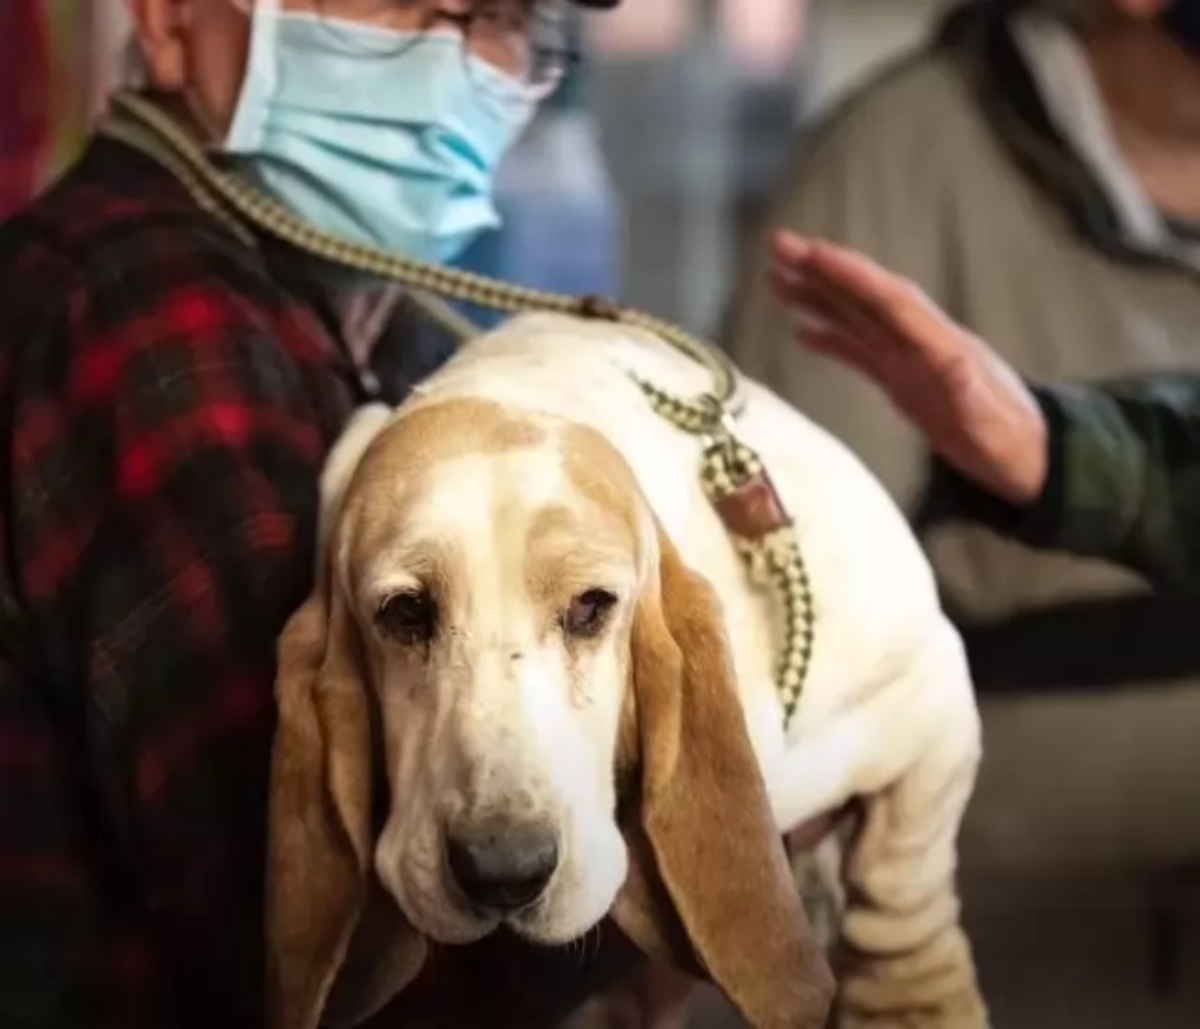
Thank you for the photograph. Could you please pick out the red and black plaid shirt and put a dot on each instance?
(165, 406)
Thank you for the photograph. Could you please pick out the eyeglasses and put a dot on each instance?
(526, 39)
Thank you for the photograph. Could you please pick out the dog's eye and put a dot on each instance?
(588, 613)
(408, 618)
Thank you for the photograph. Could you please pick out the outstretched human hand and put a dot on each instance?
(971, 406)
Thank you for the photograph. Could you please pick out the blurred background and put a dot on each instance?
(644, 179)
(732, 79)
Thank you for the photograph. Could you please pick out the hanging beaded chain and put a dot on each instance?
(739, 487)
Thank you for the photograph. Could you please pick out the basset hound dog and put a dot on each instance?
(534, 687)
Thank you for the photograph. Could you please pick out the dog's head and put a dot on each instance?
(501, 628)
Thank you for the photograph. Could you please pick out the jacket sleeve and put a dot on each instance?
(164, 519)
(1123, 481)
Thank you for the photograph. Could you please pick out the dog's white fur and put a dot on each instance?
(887, 714)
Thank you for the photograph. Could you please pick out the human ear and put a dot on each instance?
(159, 27)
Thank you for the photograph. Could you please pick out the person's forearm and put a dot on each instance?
(1123, 482)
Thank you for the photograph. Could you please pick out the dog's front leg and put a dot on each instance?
(905, 961)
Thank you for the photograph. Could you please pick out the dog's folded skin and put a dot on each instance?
(533, 647)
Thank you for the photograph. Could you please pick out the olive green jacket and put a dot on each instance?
(1123, 481)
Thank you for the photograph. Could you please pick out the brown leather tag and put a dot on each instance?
(754, 509)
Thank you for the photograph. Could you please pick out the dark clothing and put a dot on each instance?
(1123, 482)
(166, 408)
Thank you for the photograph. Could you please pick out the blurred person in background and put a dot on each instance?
(171, 380)
(1035, 170)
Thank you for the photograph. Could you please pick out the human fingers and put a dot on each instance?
(895, 304)
(789, 249)
(822, 330)
(849, 287)
(841, 312)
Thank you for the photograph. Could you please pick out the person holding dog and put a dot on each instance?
(171, 378)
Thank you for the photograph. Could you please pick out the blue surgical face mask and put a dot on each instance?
(383, 138)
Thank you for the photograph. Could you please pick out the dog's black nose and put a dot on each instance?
(502, 865)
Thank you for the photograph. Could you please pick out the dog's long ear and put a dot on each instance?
(704, 817)
(319, 875)
(320, 879)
